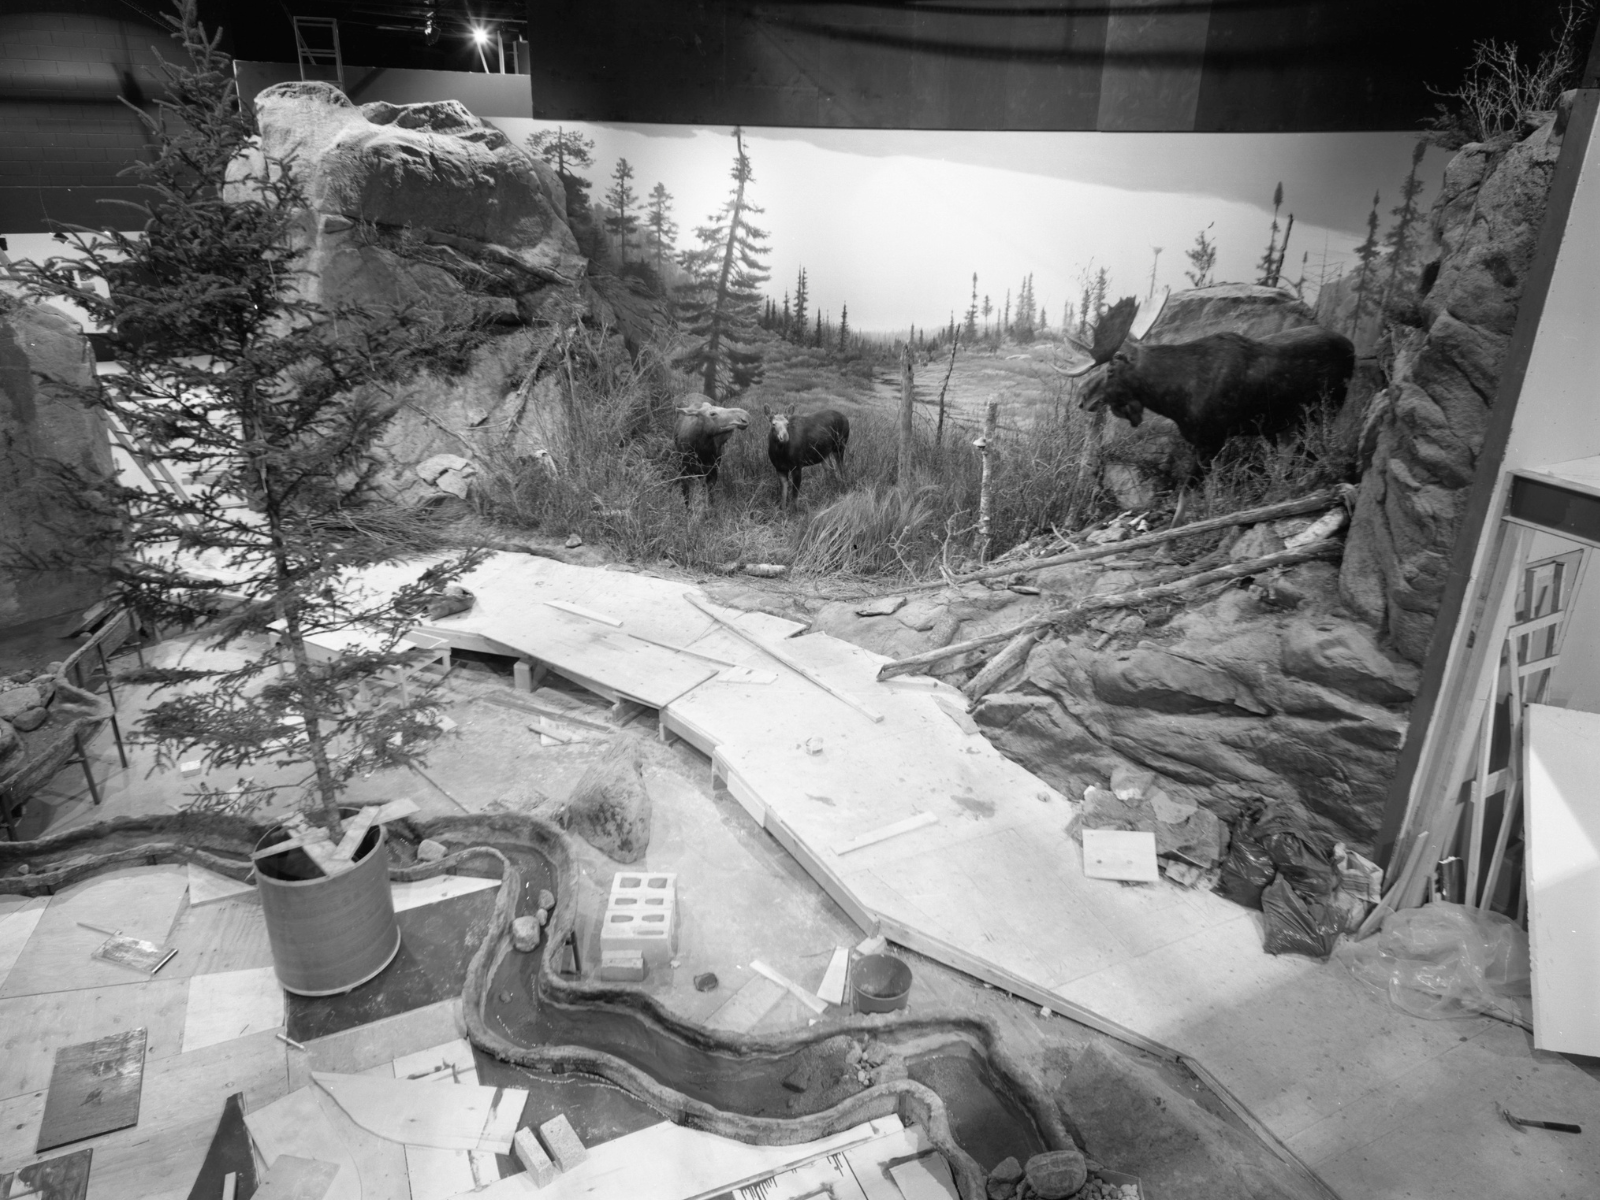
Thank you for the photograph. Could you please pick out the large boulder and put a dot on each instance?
(1230, 702)
(610, 808)
(1423, 433)
(406, 199)
(44, 424)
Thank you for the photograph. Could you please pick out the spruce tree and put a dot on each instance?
(844, 327)
(566, 150)
(1269, 258)
(972, 311)
(1368, 253)
(1398, 241)
(1202, 258)
(817, 338)
(987, 309)
(658, 220)
(801, 296)
(621, 199)
(229, 369)
(721, 303)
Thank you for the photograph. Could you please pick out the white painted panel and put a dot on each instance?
(1564, 877)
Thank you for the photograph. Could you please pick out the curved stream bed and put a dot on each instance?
(946, 1071)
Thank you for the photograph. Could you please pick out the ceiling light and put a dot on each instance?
(480, 35)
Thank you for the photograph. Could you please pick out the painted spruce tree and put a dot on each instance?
(720, 306)
(621, 199)
(802, 295)
(663, 234)
(231, 375)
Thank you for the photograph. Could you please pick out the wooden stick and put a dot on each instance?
(812, 1001)
(1145, 595)
(986, 487)
(887, 832)
(1001, 665)
(710, 658)
(794, 666)
(1250, 516)
(579, 611)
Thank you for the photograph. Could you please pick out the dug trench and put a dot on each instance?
(616, 1059)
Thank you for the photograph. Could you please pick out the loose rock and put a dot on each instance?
(1057, 1174)
(610, 808)
(1003, 1180)
(543, 917)
(547, 898)
(705, 983)
(525, 934)
(17, 700)
(429, 850)
(30, 719)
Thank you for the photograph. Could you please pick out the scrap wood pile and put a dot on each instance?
(330, 857)
(1316, 541)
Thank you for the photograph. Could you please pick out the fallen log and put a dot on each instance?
(1001, 665)
(1315, 502)
(1330, 548)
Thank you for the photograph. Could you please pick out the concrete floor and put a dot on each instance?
(741, 897)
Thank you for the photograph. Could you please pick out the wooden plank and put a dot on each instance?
(826, 877)
(787, 660)
(232, 1004)
(867, 1161)
(1563, 865)
(409, 1112)
(228, 1155)
(292, 1178)
(810, 1000)
(743, 1011)
(354, 830)
(207, 887)
(16, 927)
(230, 935)
(926, 1178)
(834, 978)
(1120, 854)
(919, 821)
(65, 1177)
(95, 1088)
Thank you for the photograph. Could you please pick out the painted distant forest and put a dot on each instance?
(848, 240)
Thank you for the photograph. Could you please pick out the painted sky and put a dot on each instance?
(894, 222)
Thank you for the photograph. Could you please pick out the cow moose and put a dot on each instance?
(1217, 386)
(797, 442)
(699, 436)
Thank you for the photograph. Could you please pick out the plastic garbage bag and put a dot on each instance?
(1298, 851)
(1297, 927)
(1447, 960)
(1245, 872)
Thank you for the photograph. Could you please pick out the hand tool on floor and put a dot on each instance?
(1522, 1123)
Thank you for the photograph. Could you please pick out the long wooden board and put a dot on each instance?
(1564, 878)
(411, 1111)
(95, 1088)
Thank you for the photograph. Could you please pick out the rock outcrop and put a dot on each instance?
(1424, 431)
(43, 356)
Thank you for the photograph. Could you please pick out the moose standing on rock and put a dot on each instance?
(797, 442)
(699, 436)
(1214, 387)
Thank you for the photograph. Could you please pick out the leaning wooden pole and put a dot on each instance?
(991, 422)
(938, 429)
(902, 474)
(1315, 502)
(1329, 548)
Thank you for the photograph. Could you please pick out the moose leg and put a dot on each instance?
(794, 484)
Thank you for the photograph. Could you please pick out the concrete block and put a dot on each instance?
(621, 966)
(522, 676)
(532, 1157)
(561, 1140)
(189, 769)
(649, 934)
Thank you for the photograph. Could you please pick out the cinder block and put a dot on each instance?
(190, 769)
(621, 966)
(561, 1140)
(646, 887)
(649, 934)
(532, 1156)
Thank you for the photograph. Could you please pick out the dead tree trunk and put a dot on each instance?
(938, 429)
(986, 489)
(902, 475)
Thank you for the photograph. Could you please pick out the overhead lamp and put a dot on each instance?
(480, 35)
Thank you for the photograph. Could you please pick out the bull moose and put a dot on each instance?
(797, 442)
(1217, 386)
(699, 436)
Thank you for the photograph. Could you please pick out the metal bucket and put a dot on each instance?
(328, 934)
(880, 983)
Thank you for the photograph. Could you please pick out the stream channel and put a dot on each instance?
(986, 1117)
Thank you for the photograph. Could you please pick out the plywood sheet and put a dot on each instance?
(291, 1178)
(16, 927)
(742, 1011)
(442, 1174)
(230, 935)
(669, 1162)
(232, 1004)
(925, 1178)
(867, 1160)
(65, 1177)
(306, 1124)
(378, 1042)
(450, 1062)
(412, 1112)
(141, 903)
(441, 887)
(1564, 878)
(31, 1027)
(207, 887)
(95, 1087)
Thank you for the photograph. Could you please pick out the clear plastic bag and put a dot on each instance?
(1447, 960)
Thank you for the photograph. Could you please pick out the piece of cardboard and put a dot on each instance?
(1124, 854)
